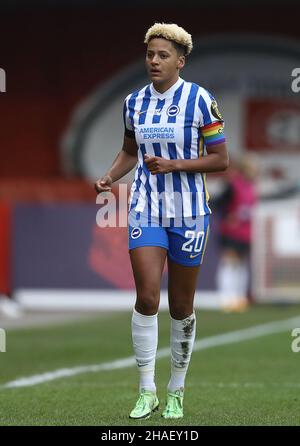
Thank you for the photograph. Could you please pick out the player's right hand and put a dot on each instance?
(104, 184)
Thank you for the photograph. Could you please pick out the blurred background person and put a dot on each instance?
(235, 204)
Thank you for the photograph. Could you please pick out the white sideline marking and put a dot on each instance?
(202, 344)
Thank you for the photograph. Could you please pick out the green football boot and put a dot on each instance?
(174, 406)
(145, 405)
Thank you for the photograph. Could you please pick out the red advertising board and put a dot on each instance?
(273, 125)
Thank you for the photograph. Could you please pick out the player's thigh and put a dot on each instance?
(187, 244)
(182, 280)
(147, 248)
(147, 266)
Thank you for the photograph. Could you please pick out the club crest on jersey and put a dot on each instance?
(215, 111)
(173, 110)
(136, 233)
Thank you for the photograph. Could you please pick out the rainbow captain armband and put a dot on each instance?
(213, 133)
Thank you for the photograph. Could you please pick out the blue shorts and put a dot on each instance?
(184, 239)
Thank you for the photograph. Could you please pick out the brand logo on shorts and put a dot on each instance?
(173, 110)
(136, 233)
(192, 256)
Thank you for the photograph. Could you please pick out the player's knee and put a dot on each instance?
(181, 310)
(147, 302)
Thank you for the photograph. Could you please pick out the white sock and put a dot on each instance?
(226, 277)
(242, 279)
(232, 281)
(182, 341)
(144, 338)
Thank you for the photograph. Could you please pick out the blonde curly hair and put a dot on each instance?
(173, 32)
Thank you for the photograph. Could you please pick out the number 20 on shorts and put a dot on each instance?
(194, 242)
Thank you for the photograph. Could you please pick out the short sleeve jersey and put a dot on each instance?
(177, 124)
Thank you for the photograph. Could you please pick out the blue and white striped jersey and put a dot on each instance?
(176, 124)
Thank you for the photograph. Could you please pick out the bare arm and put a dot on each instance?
(123, 163)
(216, 160)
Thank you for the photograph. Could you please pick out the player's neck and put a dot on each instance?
(162, 87)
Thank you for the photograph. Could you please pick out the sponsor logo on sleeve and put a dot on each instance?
(215, 111)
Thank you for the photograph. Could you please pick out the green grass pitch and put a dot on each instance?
(252, 382)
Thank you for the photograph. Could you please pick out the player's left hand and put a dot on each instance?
(156, 164)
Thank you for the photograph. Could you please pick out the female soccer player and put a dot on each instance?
(174, 133)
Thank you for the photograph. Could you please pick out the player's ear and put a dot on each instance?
(181, 62)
